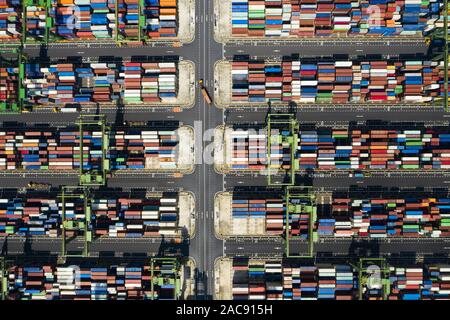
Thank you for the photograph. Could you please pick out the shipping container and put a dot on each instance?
(112, 215)
(276, 280)
(103, 83)
(363, 215)
(360, 81)
(331, 19)
(358, 148)
(133, 281)
(10, 20)
(59, 149)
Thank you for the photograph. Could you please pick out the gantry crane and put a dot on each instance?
(373, 271)
(79, 226)
(17, 62)
(94, 177)
(170, 274)
(3, 279)
(304, 202)
(46, 6)
(283, 129)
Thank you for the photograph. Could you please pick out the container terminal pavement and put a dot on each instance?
(330, 150)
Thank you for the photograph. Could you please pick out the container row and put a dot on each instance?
(114, 282)
(356, 216)
(59, 149)
(89, 20)
(318, 18)
(338, 82)
(356, 148)
(127, 82)
(272, 280)
(116, 215)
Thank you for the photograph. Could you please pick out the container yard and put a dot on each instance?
(8, 87)
(10, 20)
(158, 279)
(339, 214)
(112, 214)
(87, 85)
(344, 148)
(361, 81)
(58, 149)
(97, 22)
(326, 120)
(255, 279)
(247, 20)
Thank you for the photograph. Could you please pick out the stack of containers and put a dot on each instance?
(128, 18)
(29, 217)
(35, 22)
(305, 285)
(240, 82)
(280, 150)
(335, 282)
(274, 18)
(10, 20)
(438, 284)
(158, 81)
(133, 217)
(36, 150)
(257, 281)
(83, 20)
(294, 18)
(381, 218)
(299, 220)
(131, 75)
(57, 149)
(274, 281)
(142, 149)
(86, 283)
(249, 150)
(95, 19)
(74, 212)
(100, 82)
(339, 82)
(406, 283)
(326, 149)
(112, 217)
(161, 18)
(271, 209)
(240, 17)
(240, 279)
(8, 85)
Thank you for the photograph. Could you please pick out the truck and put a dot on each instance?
(205, 92)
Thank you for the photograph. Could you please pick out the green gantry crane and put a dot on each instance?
(83, 226)
(19, 63)
(3, 278)
(306, 205)
(90, 177)
(441, 34)
(282, 129)
(366, 278)
(46, 6)
(170, 274)
(122, 38)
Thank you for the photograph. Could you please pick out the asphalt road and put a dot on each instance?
(267, 248)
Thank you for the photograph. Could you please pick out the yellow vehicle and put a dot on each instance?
(204, 92)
